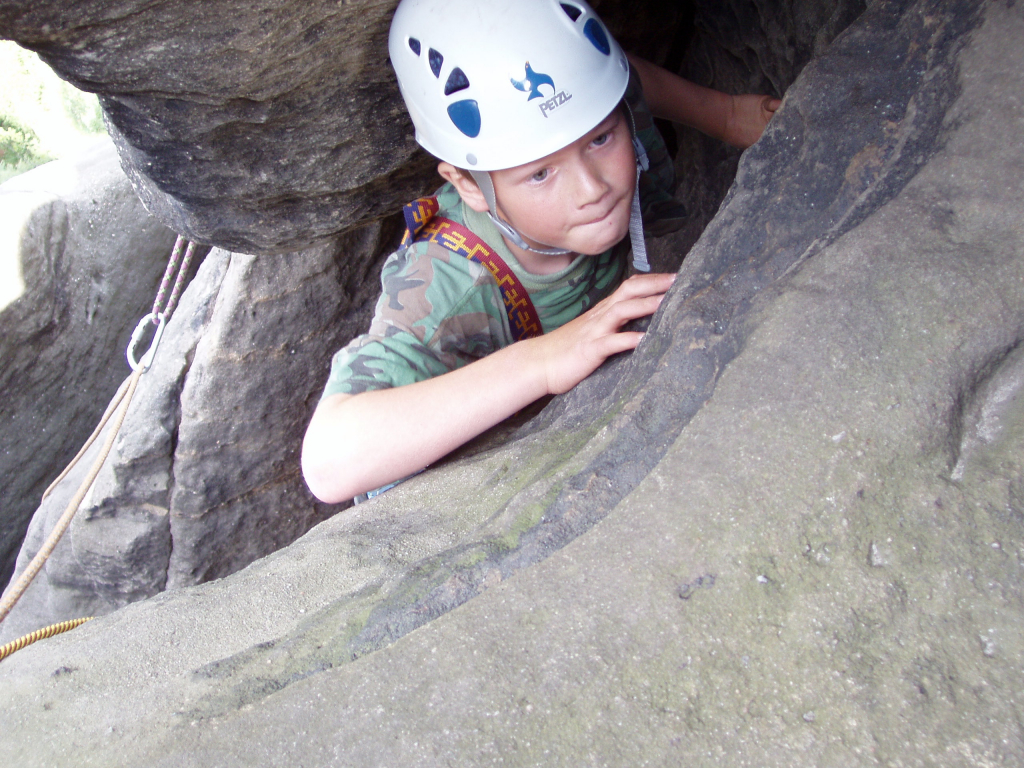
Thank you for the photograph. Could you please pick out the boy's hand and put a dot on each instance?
(358, 442)
(574, 351)
(747, 117)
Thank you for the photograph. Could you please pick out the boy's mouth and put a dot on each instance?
(604, 216)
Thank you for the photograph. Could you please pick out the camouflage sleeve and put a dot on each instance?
(437, 312)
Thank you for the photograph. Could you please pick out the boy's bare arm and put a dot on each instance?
(358, 442)
(736, 120)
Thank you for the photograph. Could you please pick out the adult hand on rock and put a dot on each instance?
(747, 117)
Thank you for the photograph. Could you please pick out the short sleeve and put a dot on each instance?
(437, 312)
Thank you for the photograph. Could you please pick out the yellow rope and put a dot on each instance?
(40, 634)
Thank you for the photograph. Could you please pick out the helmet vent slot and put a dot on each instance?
(572, 11)
(436, 60)
(595, 33)
(465, 115)
(531, 73)
(457, 81)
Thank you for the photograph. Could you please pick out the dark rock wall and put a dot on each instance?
(735, 47)
(204, 477)
(257, 127)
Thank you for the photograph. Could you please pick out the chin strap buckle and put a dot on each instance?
(641, 154)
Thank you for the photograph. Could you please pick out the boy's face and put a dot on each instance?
(579, 197)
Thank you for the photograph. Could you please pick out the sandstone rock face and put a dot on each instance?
(787, 529)
(204, 477)
(81, 262)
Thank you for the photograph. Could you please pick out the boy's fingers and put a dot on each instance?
(645, 285)
(608, 321)
(619, 342)
(630, 309)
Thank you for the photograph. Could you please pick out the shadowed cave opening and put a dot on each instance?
(737, 46)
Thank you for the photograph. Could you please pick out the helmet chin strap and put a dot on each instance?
(483, 180)
(636, 224)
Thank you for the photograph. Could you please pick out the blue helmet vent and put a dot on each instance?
(466, 116)
(571, 11)
(595, 33)
(436, 60)
(414, 45)
(457, 81)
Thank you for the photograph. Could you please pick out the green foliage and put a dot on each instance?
(17, 141)
(82, 109)
(19, 148)
(41, 116)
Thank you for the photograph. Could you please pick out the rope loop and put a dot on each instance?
(177, 269)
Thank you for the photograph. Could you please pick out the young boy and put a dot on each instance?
(523, 104)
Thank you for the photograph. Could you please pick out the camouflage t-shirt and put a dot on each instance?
(440, 311)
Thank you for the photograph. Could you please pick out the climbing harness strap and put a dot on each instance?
(177, 269)
(424, 225)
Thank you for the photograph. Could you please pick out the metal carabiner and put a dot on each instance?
(158, 321)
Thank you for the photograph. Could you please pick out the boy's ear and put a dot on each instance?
(464, 185)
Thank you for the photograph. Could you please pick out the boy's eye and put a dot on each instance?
(540, 175)
(602, 139)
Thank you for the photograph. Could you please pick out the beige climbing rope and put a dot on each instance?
(118, 396)
(177, 268)
(18, 589)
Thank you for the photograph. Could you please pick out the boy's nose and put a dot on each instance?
(591, 185)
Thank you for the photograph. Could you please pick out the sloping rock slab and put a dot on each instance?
(823, 563)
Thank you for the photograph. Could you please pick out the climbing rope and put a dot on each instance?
(177, 269)
(40, 634)
(18, 589)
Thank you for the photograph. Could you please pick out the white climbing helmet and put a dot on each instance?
(493, 84)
